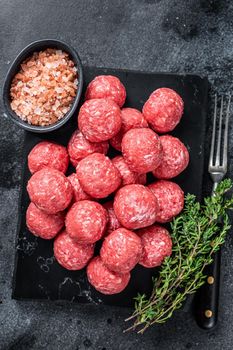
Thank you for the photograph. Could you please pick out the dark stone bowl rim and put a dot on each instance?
(14, 68)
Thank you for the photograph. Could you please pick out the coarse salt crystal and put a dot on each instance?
(57, 104)
(37, 110)
(64, 78)
(64, 110)
(59, 90)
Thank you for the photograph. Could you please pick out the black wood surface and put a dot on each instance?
(37, 275)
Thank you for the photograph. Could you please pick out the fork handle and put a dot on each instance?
(207, 297)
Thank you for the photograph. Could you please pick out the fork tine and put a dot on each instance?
(225, 143)
(217, 160)
(213, 133)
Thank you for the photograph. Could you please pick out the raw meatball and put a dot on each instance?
(128, 176)
(99, 119)
(42, 224)
(175, 158)
(104, 280)
(142, 150)
(79, 147)
(156, 243)
(50, 190)
(163, 110)
(131, 118)
(86, 221)
(121, 250)
(113, 222)
(79, 194)
(70, 254)
(135, 206)
(170, 198)
(98, 176)
(107, 86)
(48, 154)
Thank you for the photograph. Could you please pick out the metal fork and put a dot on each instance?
(207, 298)
(218, 167)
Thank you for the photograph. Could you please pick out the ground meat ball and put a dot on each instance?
(170, 198)
(128, 176)
(142, 150)
(163, 110)
(131, 118)
(106, 86)
(113, 222)
(79, 147)
(42, 224)
(156, 243)
(48, 154)
(50, 190)
(70, 254)
(98, 176)
(86, 221)
(175, 158)
(135, 206)
(121, 250)
(99, 120)
(104, 280)
(79, 194)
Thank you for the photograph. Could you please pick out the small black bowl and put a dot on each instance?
(26, 52)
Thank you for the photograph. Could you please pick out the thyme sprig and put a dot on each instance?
(196, 233)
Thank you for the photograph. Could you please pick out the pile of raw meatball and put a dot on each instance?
(67, 207)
